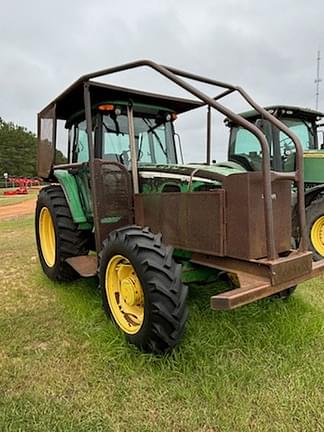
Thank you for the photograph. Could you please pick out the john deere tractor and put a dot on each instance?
(124, 208)
(245, 150)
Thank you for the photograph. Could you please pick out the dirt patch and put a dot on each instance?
(21, 209)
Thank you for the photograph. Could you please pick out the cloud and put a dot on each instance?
(269, 48)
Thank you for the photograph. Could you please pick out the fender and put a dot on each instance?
(311, 193)
(70, 189)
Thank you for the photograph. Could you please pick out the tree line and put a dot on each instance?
(18, 150)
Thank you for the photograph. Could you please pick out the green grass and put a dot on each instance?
(64, 366)
(15, 199)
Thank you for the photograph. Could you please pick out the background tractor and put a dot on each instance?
(123, 207)
(245, 150)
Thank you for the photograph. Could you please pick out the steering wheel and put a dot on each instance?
(244, 161)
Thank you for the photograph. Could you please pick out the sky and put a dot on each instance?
(267, 47)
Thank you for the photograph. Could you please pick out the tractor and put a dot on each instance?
(125, 208)
(305, 123)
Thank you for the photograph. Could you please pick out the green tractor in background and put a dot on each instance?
(244, 150)
(126, 209)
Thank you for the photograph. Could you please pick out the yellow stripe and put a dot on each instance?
(314, 155)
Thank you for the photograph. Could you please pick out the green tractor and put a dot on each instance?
(124, 208)
(245, 150)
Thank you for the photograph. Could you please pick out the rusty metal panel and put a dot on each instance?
(191, 220)
(299, 267)
(287, 268)
(46, 131)
(113, 196)
(85, 265)
(245, 221)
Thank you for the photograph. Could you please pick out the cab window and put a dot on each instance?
(153, 138)
(80, 147)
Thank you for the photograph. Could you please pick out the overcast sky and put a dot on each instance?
(267, 47)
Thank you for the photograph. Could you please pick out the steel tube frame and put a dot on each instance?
(174, 75)
(208, 147)
(88, 116)
(132, 141)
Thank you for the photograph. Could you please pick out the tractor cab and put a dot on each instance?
(154, 134)
(245, 150)
(114, 113)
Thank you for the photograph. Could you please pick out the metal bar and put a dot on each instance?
(299, 174)
(174, 75)
(200, 78)
(54, 135)
(281, 126)
(208, 147)
(87, 107)
(69, 146)
(132, 143)
(259, 289)
(223, 94)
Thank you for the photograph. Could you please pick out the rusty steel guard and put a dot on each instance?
(113, 197)
(190, 220)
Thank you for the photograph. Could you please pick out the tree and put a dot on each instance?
(18, 149)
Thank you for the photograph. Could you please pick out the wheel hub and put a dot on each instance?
(125, 294)
(130, 294)
(317, 235)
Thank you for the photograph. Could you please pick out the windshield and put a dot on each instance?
(302, 129)
(246, 150)
(154, 139)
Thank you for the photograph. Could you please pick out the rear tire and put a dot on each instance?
(60, 238)
(315, 228)
(142, 290)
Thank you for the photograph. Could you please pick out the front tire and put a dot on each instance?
(142, 290)
(57, 236)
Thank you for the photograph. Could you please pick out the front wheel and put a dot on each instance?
(142, 290)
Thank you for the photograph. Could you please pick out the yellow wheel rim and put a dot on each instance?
(125, 294)
(317, 235)
(47, 236)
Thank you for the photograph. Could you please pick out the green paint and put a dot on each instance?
(70, 188)
(194, 273)
(314, 166)
(82, 179)
(110, 219)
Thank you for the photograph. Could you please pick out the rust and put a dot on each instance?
(113, 200)
(85, 265)
(190, 220)
(245, 221)
(253, 289)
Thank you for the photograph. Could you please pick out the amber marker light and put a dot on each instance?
(106, 107)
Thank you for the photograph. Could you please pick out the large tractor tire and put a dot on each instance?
(57, 236)
(142, 289)
(315, 228)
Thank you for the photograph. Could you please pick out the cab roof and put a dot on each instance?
(286, 111)
(71, 100)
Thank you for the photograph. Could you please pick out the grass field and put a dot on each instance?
(64, 367)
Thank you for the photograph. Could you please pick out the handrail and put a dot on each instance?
(174, 75)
